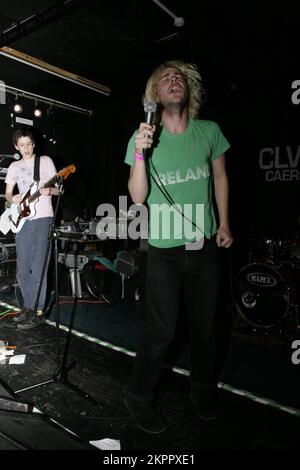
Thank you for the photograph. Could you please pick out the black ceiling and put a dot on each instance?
(118, 42)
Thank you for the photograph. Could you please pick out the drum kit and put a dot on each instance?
(266, 291)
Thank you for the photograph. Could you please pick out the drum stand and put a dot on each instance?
(61, 372)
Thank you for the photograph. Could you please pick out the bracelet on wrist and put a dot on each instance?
(138, 156)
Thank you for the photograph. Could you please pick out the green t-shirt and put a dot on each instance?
(180, 164)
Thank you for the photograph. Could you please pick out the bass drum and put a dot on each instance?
(102, 283)
(262, 295)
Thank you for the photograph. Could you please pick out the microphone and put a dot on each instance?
(150, 109)
(15, 156)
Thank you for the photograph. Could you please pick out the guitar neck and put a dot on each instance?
(37, 193)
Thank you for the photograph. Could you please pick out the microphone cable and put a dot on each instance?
(168, 197)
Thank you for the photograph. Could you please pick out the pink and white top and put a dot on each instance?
(21, 173)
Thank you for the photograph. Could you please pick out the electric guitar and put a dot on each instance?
(14, 217)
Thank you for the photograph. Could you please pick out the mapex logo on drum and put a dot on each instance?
(265, 280)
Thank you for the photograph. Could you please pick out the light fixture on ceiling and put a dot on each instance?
(45, 100)
(17, 107)
(37, 111)
(178, 20)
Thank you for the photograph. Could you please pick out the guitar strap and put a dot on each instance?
(36, 170)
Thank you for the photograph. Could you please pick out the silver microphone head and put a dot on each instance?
(150, 107)
(15, 156)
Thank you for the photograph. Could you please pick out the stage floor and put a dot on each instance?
(88, 399)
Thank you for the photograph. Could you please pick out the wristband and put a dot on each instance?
(138, 156)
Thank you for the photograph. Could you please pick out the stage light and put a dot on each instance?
(37, 112)
(18, 108)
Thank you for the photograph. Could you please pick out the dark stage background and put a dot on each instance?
(248, 56)
(248, 60)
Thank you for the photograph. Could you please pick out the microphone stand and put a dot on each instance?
(1, 160)
(60, 374)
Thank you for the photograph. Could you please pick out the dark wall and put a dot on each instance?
(260, 116)
(112, 127)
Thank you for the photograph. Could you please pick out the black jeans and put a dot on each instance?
(168, 271)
